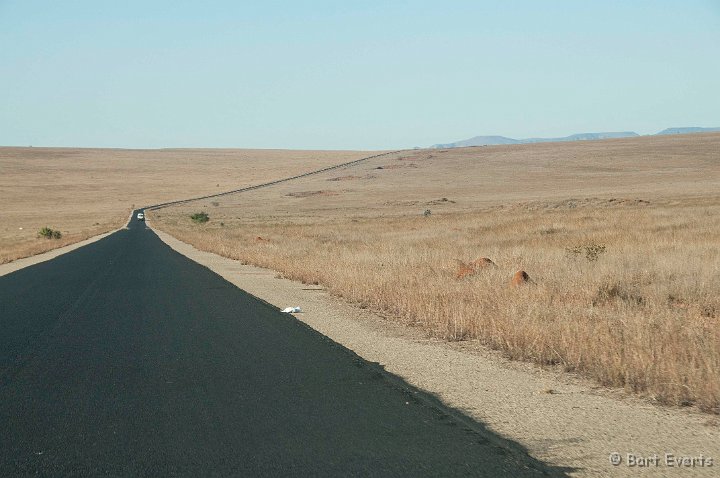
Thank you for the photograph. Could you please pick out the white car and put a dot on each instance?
(140, 216)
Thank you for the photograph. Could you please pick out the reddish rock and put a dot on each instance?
(483, 262)
(520, 278)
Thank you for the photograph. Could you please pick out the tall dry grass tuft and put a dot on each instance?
(627, 295)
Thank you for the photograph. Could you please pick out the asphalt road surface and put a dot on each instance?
(124, 358)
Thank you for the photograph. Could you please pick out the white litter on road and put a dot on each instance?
(292, 310)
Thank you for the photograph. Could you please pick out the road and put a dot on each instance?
(124, 358)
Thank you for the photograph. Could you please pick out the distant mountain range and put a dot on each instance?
(692, 129)
(495, 140)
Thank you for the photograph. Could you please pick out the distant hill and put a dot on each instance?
(583, 137)
(688, 130)
(495, 140)
(479, 141)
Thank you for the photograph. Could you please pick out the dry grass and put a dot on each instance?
(85, 192)
(624, 277)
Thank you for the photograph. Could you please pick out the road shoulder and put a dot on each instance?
(563, 420)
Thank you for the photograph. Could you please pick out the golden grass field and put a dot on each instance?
(619, 237)
(85, 192)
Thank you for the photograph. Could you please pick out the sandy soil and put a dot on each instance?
(560, 418)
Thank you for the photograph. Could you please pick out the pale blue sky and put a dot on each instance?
(350, 75)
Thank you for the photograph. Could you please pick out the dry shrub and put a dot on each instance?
(473, 267)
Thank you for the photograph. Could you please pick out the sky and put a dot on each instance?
(350, 75)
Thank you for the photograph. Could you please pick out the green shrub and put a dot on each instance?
(200, 217)
(48, 233)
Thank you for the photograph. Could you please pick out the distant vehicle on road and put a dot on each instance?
(140, 216)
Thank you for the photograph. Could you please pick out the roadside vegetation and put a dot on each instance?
(49, 233)
(200, 217)
(624, 292)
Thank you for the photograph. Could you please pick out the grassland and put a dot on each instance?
(619, 238)
(85, 192)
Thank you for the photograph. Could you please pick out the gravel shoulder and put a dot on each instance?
(561, 419)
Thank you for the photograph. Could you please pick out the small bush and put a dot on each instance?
(200, 217)
(611, 291)
(549, 230)
(591, 251)
(48, 233)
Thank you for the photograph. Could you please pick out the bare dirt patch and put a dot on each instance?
(307, 194)
(352, 178)
(439, 202)
(397, 166)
